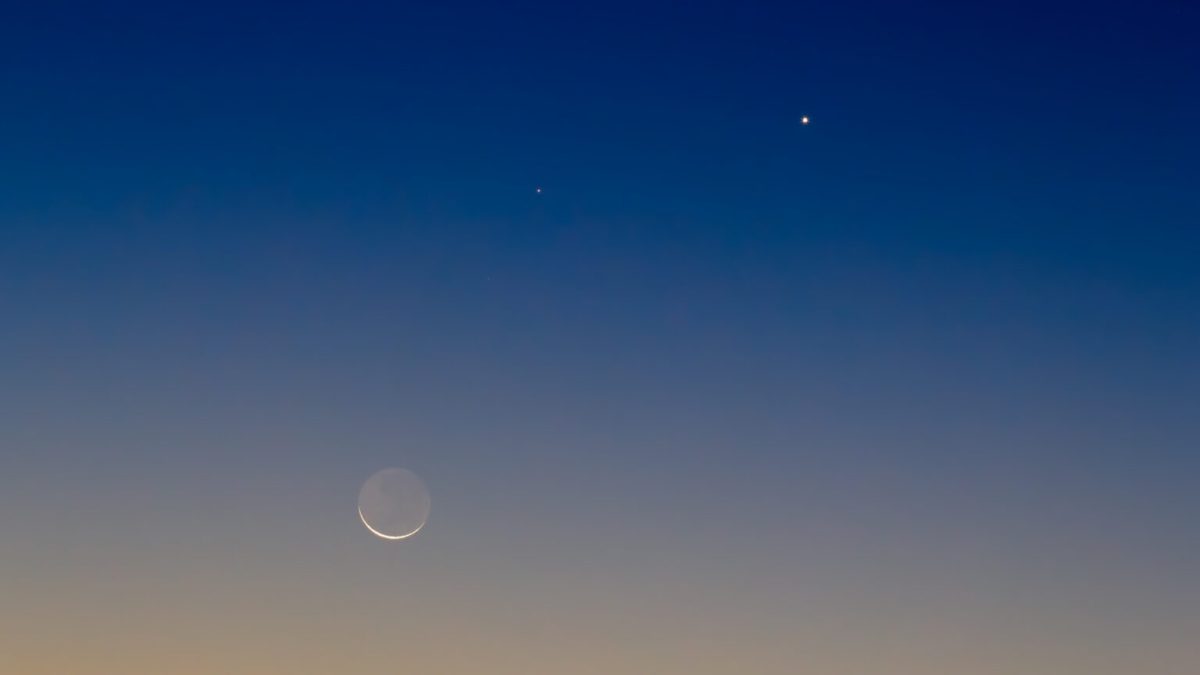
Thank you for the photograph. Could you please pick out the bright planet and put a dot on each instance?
(393, 503)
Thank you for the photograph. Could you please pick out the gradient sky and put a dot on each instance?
(911, 389)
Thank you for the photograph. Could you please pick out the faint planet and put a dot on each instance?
(539, 190)
(804, 120)
(393, 504)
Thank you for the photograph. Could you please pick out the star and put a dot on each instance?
(804, 120)
(539, 190)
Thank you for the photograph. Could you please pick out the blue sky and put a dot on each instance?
(931, 356)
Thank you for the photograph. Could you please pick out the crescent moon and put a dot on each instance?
(381, 535)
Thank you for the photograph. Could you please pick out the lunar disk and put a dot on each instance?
(393, 504)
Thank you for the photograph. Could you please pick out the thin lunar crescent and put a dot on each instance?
(393, 504)
(377, 533)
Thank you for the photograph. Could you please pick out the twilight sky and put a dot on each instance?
(911, 389)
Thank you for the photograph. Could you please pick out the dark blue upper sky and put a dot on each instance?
(1008, 172)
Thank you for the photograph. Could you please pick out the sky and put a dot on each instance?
(909, 389)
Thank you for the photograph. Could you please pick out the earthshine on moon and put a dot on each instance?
(393, 504)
